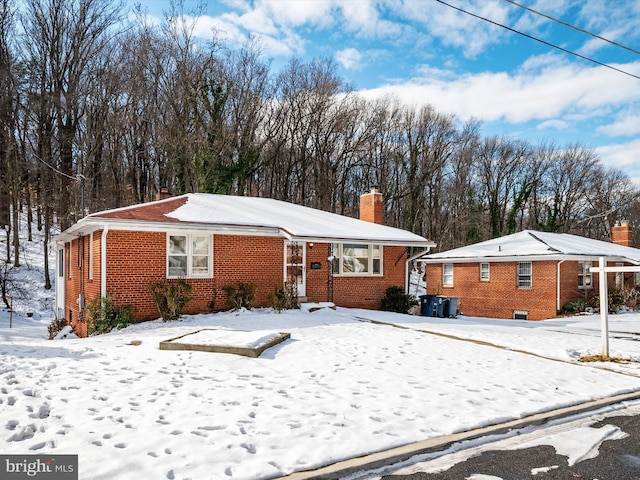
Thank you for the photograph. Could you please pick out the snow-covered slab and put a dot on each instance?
(238, 342)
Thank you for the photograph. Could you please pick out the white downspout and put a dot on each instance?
(407, 287)
(558, 306)
(103, 262)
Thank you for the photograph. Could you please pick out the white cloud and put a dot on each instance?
(554, 124)
(625, 125)
(349, 58)
(546, 94)
(623, 156)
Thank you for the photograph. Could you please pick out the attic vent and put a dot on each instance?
(520, 315)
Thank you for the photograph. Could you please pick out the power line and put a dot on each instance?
(574, 27)
(539, 40)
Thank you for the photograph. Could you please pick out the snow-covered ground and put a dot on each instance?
(342, 386)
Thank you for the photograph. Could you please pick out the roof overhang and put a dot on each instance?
(89, 225)
(530, 258)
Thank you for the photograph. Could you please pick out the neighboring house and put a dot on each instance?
(528, 275)
(213, 241)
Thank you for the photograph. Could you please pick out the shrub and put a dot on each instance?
(395, 300)
(102, 315)
(578, 306)
(284, 298)
(242, 296)
(170, 298)
(56, 327)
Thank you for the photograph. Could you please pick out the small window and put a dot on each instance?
(61, 263)
(520, 315)
(484, 272)
(585, 278)
(189, 256)
(447, 275)
(524, 275)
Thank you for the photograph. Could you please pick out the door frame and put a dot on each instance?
(302, 279)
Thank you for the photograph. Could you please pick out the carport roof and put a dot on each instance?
(534, 244)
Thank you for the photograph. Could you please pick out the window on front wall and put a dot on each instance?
(447, 275)
(189, 255)
(585, 278)
(484, 272)
(524, 275)
(357, 259)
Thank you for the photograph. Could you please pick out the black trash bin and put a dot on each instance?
(427, 305)
(452, 307)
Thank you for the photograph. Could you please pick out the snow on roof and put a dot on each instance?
(294, 221)
(533, 243)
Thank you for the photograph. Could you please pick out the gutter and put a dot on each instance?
(406, 266)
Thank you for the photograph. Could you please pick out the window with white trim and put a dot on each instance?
(585, 277)
(484, 272)
(447, 275)
(525, 274)
(357, 259)
(189, 256)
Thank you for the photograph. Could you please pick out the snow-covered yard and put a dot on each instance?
(340, 387)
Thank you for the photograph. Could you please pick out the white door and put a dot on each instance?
(294, 266)
(60, 304)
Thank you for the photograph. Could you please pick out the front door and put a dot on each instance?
(294, 266)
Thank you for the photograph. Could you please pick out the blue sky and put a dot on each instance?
(423, 51)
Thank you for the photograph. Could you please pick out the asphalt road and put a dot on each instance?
(617, 460)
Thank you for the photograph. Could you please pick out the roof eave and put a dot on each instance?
(532, 258)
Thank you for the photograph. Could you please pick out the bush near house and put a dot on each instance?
(396, 300)
(284, 298)
(102, 316)
(242, 296)
(170, 298)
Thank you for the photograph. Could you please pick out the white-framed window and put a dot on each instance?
(520, 315)
(585, 277)
(525, 274)
(447, 274)
(357, 259)
(484, 272)
(189, 255)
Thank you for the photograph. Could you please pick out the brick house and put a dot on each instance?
(216, 240)
(528, 275)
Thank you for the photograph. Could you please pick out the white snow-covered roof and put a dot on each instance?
(531, 243)
(247, 215)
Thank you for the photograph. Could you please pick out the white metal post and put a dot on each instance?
(604, 306)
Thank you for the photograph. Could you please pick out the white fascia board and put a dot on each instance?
(523, 258)
(145, 226)
(88, 225)
(375, 241)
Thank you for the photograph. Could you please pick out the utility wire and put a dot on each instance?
(574, 27)
(539, 40)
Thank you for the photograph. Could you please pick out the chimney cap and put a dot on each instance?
(375, 188)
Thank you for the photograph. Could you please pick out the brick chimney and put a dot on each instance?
(621, 233)
(163, 193)
(372, 206)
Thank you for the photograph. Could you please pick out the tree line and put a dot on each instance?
(100, 108)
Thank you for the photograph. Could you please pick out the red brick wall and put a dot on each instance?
(136, 259)
(499, 297)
